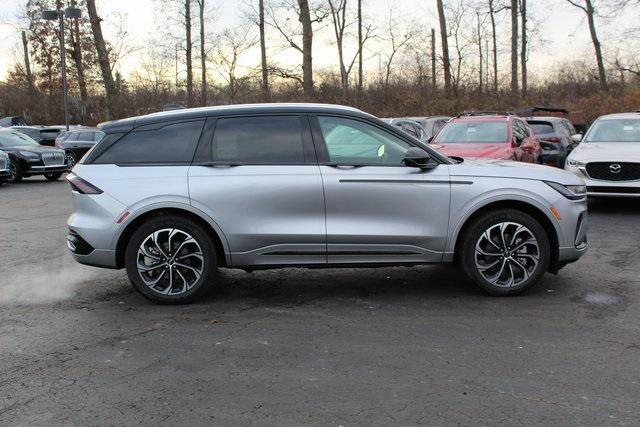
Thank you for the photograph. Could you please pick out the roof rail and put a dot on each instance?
(484, 113)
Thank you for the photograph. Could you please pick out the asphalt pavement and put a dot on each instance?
(385, 346)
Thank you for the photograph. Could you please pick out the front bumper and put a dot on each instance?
(4, 174)
(41, 170)
(602, 188)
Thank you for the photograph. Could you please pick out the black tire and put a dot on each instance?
(200, 287)
(15, 172)
(489, 221)
(52, 176)
(71, 160)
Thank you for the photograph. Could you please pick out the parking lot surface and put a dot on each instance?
(386, 346)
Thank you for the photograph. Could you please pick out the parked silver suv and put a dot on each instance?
(172, 196)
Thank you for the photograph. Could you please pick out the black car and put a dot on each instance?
(410, 127)
(43, 135)
(28, 158)
(4, 167)
(557, 138)
(76, 142)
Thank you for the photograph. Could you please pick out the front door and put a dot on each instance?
(378, 210)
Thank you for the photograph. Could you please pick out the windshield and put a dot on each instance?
(475, 131)
(13, 138)
(618, 130)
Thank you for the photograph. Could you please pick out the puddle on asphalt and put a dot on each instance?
(601, 298)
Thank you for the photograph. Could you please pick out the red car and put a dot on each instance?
(489, 135)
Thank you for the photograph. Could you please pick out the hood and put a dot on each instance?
(606, 152)
(511, 169)
(493, 150)
(39, 149)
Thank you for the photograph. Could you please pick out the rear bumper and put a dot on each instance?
(97, 258)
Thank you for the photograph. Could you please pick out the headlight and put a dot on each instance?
(574, 163)
(571, 192)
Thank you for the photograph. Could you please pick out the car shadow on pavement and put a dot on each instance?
(625, 206)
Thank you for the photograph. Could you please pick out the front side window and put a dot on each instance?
(255, 140)
(473, 131)
(351, 141)
(173, 143)
(614, 130)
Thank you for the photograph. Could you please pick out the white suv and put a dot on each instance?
(608, 158)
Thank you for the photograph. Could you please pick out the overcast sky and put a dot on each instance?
(563, 29)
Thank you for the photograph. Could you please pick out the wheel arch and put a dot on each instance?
(219, 239)
(522, 206)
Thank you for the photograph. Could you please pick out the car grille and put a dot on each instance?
(53, 159)
(620, 190)
(614, 171)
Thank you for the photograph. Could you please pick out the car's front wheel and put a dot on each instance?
(505, 251)
(171, 260)
(15, 172)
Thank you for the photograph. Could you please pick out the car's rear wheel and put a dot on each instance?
(171, 260)
(71, 160)
(505, 251)
(52, 176)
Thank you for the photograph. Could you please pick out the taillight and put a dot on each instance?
(81, 186)
(57, 144)
(553, 139)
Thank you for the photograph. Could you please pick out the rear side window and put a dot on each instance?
(272, 139)
(173, 143)
(85, 136)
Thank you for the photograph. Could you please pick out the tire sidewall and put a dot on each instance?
(198, 233)
(489, 219)
(17, 172)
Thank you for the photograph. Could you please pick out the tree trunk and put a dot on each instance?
(445, 48)
(514, 48)
(338, 16)
(596, 44)
(480, 54)
(263, 55)
(307, 43)
(76, 56)
(103, 55)
(492, 13)
(27, 65)
(187, 24)
(203, 56)
(433, 59)
(360, 47)
(523, 47)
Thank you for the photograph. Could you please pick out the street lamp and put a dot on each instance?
(52, 15)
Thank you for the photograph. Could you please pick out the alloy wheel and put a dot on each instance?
(71, 161)
(170, 261)
(507, 254)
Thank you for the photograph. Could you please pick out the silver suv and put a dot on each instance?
(172, 196)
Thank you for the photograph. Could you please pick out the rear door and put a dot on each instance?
(258, 178)
(377, 209)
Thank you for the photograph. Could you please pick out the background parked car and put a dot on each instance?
(489, 135)
(12, 121)
(43, 135)
(557, 137)
(76, 142)
(28, 158)
(409, 126)
(4, 167)
(609, 157)
(431, 124)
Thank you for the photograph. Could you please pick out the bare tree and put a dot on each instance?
(263, 53)
(588, 7)
(188, 54)
(27, 64)
(398, 41)
(445, 47)
(103, 54)
(231, 46)
(203, 55)
(360, 47)
(480, 55)
(433, 58)
(514, 48)
(523, 47)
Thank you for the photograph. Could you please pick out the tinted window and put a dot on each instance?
(98, 135)
(174, 143)
(541, 128)
(354, 142)
(272, 139)
(473, 131)
(85, 136)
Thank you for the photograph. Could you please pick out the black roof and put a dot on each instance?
(125, 125)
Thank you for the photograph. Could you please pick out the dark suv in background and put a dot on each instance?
(76, 142)
(43, 135)
(28, 158)
(557, 137)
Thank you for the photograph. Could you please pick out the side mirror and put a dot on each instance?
(431, 138)
(577, 137)
(416, 157)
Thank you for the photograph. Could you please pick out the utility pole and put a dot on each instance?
(433, 58)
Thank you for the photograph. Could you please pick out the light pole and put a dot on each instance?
(52, 15)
